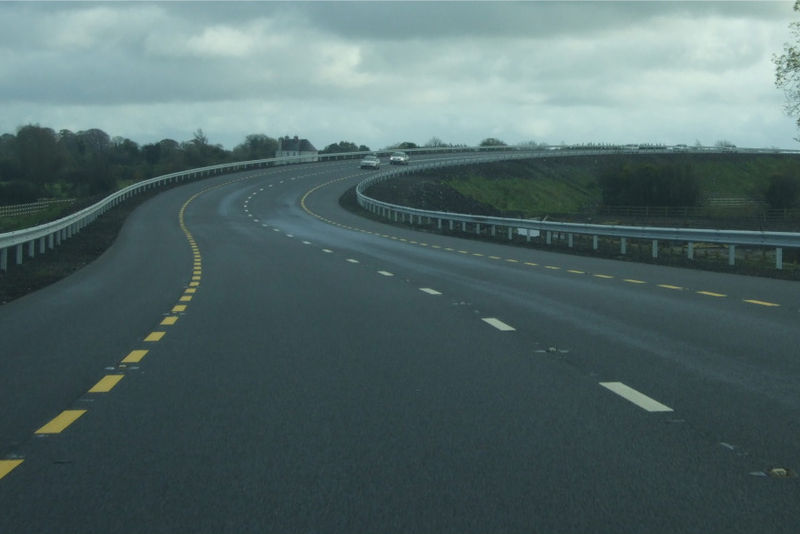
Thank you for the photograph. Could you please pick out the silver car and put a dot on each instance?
(399, 158)
(371, 162)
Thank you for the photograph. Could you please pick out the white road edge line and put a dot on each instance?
(429, 291)
(385, 273)
(639, 399)
(351, 260)
(497, 323)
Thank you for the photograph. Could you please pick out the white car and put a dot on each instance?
(399, 158)
(371, 162)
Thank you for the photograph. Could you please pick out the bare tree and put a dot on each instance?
(787, 70)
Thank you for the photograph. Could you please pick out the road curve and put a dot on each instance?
(250, 357)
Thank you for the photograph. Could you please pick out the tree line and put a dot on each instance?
(39, 162)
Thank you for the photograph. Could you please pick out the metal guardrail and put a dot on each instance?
(529, 227)
(49, 235)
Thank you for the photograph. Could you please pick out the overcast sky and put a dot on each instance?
(377, 73)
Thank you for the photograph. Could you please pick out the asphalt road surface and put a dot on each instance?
(250, 357)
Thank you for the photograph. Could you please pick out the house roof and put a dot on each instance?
(297, 145)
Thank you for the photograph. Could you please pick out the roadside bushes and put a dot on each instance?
(18, 192)
(649, 184)
(782, 191)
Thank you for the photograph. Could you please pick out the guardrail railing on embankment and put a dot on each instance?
(508, 227)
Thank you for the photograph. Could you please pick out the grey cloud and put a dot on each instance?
(461, 71)
(441, 20)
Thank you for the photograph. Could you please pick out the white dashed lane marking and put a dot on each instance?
(429, 291)
(639, 399)
(497, 323)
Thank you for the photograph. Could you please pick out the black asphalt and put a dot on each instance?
(311, 386)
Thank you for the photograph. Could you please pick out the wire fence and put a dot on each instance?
(33, 207)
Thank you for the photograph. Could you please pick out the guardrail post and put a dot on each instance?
(510, 233)
(569, 240)
(50, 244)
(690, 251)
(42, 248)
(594, 242)
(477, 229)
(464, 226)
(731, 254)
(32, 248)
(623, 245)
(3, 259)
(494, 231)
(655, 248)
(549, 239)
(19, 254)
(439, 224)
(779, 258)
(451, 224)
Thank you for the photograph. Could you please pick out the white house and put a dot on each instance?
(300, 150)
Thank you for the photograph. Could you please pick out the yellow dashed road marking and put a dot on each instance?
(106, 384)
(179, 308)
(155, 336)
(135, 356)
(575, 271)
(762, 303)
(185, 298)
(169, 321)
(632, 281)
(667, 286)
(61, 422)
(606, 276)
(711, 294)
(6, 466)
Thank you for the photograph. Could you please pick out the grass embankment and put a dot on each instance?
(569, 186)
(529, 188)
